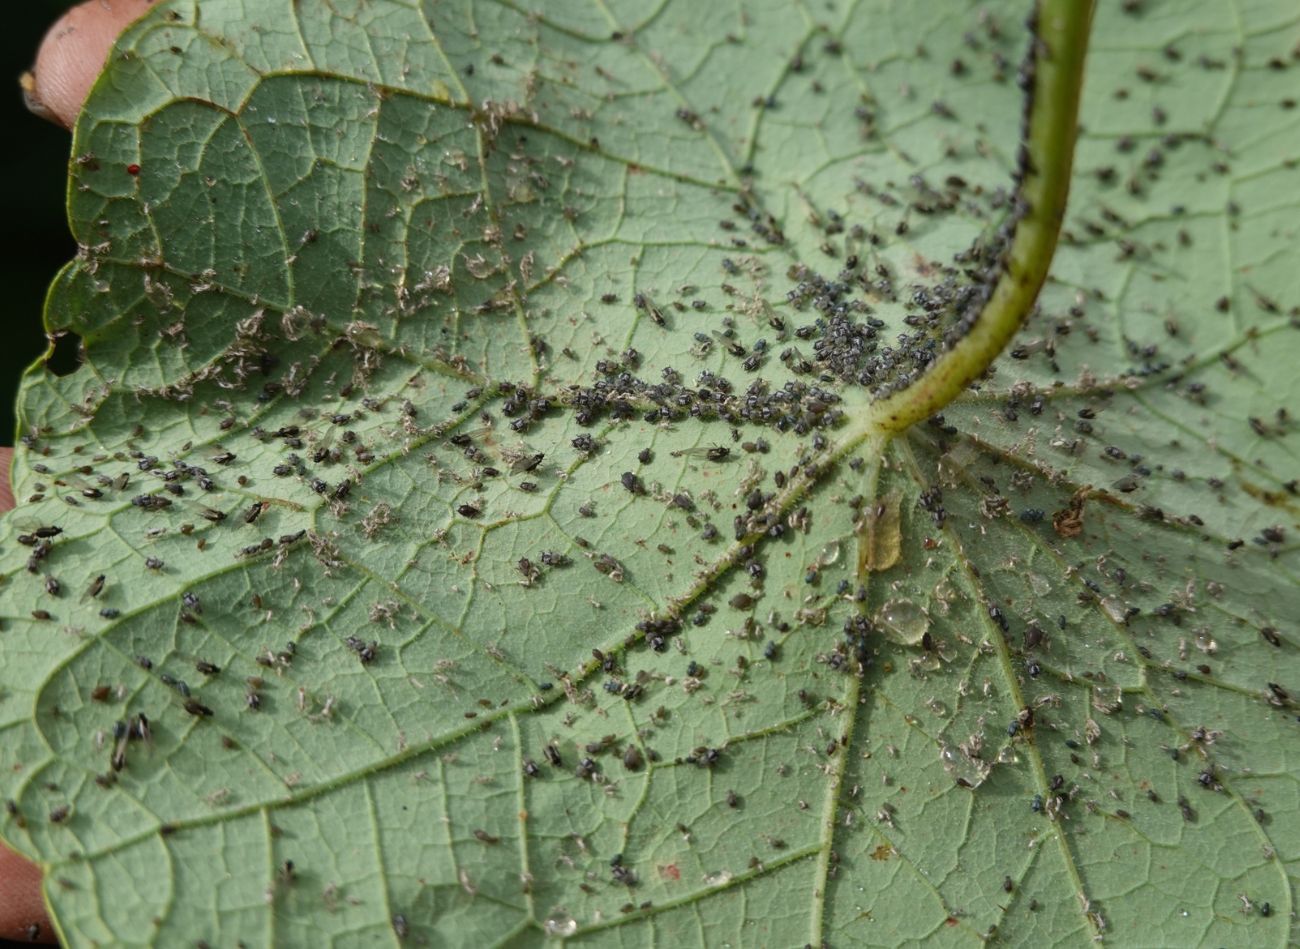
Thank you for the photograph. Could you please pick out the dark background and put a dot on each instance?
(33, 176)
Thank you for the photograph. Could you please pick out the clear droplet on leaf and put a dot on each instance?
(904, 620)
(829, 555)
(879, 536)
(967, 771)
(560, 923)
(925, 662)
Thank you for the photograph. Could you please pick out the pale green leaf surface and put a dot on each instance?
(384, 211)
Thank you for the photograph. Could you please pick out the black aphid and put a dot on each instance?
(366, 652)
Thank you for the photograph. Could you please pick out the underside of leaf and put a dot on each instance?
(500, 500)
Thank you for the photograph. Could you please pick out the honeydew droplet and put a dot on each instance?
(969, 772)
(904, 620)
(829, 555)
(560, 923)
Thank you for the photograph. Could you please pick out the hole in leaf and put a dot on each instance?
(67, 355)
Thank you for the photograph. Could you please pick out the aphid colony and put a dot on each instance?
(764, 449)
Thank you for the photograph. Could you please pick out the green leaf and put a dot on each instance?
(428, 337)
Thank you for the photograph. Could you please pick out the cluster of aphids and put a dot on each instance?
(849, 340)
(844, 345)
(848, 337)
(174, 498)
(620, 394)
(179, 491)
(588, 767)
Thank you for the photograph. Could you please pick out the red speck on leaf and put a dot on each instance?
(133, 169)
(670, 872)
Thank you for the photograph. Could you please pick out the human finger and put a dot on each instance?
(73, 53)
